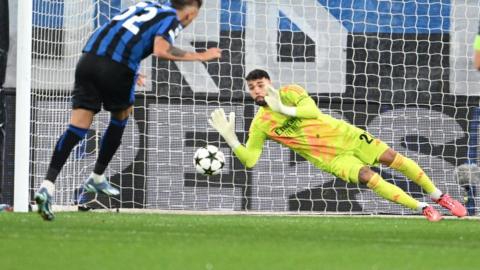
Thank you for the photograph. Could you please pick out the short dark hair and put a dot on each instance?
(257, 74)
(179, 4)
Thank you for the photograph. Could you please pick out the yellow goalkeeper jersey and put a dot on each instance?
(316, 136)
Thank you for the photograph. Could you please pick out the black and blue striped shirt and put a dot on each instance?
(128, 37)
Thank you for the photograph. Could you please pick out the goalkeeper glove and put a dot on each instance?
(275, 103)
(225, 127)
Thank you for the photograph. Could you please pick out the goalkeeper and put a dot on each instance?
(290, 117)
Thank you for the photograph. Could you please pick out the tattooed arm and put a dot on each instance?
(165, 50)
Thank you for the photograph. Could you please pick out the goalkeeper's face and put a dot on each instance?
(258, 90)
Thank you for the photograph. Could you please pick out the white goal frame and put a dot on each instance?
(23, 103)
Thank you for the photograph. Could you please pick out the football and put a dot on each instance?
(209, 160)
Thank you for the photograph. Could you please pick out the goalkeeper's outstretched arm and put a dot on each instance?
(248, 154)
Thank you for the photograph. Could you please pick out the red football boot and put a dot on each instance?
(454, 206)
(431, 214)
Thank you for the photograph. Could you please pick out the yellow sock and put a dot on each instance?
(391, 192)
(411, 170)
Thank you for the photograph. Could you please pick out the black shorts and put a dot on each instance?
(100, 80)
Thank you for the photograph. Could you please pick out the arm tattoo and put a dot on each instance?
(176, 51)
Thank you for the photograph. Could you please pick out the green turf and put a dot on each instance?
(157, 241)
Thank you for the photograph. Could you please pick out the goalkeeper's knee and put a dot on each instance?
(365, 174)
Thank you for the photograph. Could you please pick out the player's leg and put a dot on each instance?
(395, 194)
(85, 103)
(117, 84)
(81, 120)
(111, 140)
(354, 170)
(373, 151)
(410, 169)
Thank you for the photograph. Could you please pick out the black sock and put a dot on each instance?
(62, 150)
(110, 142)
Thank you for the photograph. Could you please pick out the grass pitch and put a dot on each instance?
(89, 241)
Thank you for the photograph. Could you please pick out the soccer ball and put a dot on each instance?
(208, 160)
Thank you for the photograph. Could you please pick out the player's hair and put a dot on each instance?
(257, 74)
(179, 4)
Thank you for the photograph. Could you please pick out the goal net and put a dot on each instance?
(401, 70)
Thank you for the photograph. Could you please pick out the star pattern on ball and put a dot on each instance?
(212, 156)
(197, 161)
(209, 171)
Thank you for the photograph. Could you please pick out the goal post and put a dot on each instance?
(22, 106)
(400, 70)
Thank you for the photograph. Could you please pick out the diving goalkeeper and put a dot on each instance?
(290, 117)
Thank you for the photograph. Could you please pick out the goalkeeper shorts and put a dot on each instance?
(101, 81)
(367, 152)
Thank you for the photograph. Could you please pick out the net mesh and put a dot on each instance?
(399, 69)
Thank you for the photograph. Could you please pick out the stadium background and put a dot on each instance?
(399, 69)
